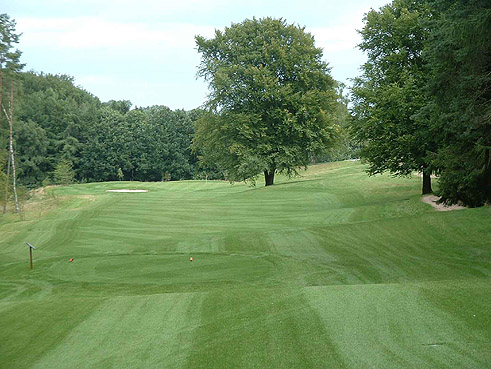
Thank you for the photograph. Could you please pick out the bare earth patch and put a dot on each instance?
(126, 191)
(38, 192)
(432, 200)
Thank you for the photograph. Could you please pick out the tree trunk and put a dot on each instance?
(5, 201)
(487, 173)
(1, 85)
(426, 182)
(269, 177)
(8, 160)
(14, 183)
(11, 145)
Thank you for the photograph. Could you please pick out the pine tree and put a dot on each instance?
(63, 173)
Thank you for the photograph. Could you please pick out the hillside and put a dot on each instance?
(333, 269)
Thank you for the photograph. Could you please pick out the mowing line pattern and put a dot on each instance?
(330, 270)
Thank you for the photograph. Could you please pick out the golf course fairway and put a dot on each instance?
(333, 269)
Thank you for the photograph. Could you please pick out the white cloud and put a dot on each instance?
(184, 94)
(118, 9)
(342, 36)
(337, 38)
(92, 32)
(94, 79)
(105, 43)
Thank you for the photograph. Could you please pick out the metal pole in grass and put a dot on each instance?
(30, 251)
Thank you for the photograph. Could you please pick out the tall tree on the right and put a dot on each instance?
(458, 54)
(390, 91)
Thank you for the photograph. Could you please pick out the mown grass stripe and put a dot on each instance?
(334, 269)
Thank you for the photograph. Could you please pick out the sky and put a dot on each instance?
(144, 50)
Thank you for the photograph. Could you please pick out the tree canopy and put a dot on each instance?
(423, 100)
(53, 120)
(60, 125)
(459, 98)
(390, 91)
(9, 55)
(271, 101)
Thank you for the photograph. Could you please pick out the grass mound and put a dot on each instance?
(333, 269)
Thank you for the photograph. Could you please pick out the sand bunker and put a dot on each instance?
(126, 190)
(432, 200)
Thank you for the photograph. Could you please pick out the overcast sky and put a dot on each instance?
(144, 50)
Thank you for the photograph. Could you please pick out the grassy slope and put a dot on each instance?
(335, 269)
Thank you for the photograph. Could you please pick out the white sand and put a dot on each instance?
(126, 191)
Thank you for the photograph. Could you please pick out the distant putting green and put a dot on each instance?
(331, 270)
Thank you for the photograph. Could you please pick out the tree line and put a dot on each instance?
(65, 134)
(420, 104)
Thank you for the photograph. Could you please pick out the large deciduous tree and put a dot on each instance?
(390, 91)
(271, 100)
(459, 99)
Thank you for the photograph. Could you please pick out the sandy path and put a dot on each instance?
(432, 200)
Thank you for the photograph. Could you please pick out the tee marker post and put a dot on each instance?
(30, 251)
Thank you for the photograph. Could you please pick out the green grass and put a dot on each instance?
(331, 270)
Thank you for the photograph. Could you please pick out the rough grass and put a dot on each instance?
(334, 269)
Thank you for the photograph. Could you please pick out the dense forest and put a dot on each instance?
(421, 104)
(65, 134)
